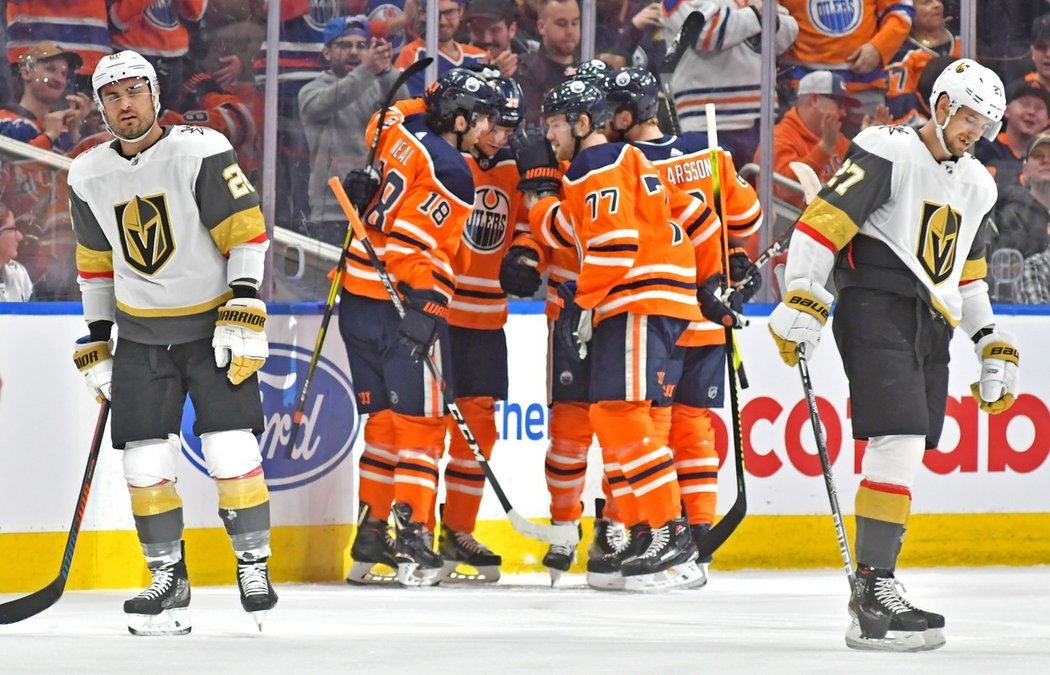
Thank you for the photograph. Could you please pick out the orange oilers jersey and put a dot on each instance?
(831, 30)
(628, 228)
(154, 28)
(498, 215)
(417, 49)
(417, 218)
(904, 73)
(79, 26)
(685, 162)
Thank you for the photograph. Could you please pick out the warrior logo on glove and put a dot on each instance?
(240, 338)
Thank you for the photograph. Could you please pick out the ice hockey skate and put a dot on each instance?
(257, 594)
(883, 620)
(163, 607)
(668, 562)
(699, 531)
(372, 554)
(417, 562)
(467, 560)
(559, 558)
(606, 551)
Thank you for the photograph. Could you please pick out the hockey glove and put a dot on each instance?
(361, 186)
(739, 265)
(518, 273)
(712, 306)
(425, 312)
(1000, 359)
(574, 326)
(96, 362)
(240, 338)
(537, 166)
(799, 318)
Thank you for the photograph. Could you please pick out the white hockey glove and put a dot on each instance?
(799, 319)
(240, 338)
(95, 360)
(1000, 358)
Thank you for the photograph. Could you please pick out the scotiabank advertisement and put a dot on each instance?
(983, 464)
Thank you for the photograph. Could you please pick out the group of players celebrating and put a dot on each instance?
(637, 242)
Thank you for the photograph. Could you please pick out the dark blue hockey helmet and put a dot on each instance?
(575, 97)
(511, 109)
(461, 92)
(632, 89)
(589, 71)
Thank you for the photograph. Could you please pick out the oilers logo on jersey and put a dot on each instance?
(938, 236)
(836, 17)
(487, 228)
(145, 233)
(163, 14)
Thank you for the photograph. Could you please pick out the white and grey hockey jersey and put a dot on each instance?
(161, 235)
(724, 65)
(892, 198)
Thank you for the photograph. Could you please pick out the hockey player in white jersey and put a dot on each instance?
(900, 224)
(170, 248)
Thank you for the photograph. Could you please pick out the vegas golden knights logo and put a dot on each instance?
(145, 233)
(938, 239)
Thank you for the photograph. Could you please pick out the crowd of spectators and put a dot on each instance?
(840, 67)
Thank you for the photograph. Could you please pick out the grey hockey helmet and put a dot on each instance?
(968, 83)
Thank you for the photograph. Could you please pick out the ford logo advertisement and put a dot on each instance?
(330, 422)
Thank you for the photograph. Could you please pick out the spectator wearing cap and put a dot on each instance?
(1027, 113)
(335, 108)
(44, 72)
(811, 131)
(15, 284)
(559, 29)
(493, 27)
(1022, 212)
(451, 54)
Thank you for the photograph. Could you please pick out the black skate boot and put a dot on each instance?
(699, 531)
(559, 557)
(417, 562)
(603, 556)
(163, 607)
(668, 562)
(257, 594)
(372, 553)
(883, 620)
(461, 551)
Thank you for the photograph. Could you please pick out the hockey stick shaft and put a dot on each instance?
(553, 534)
(337, 278)
(732, 518)
(825, 464)
(687, 37)
(34, 603)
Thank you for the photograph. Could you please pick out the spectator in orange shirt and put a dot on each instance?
(811, 132)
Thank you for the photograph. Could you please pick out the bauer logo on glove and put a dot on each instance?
(240, 338)
(1000, 359)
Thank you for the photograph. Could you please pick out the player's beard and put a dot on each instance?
(137, 129)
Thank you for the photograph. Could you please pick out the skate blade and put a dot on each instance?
(411, 575)
(555, 575)
(894, 641)
(605, 581)
(371, 574)
(683, 576)
(259, 617)
(454, 572)
(168, 622)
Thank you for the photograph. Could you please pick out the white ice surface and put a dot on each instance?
(742, 622)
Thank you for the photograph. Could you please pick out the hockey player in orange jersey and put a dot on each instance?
(635, 294)
(416, 217)
(684, 161)
(477, 313)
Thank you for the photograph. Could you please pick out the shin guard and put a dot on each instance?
(464, 477)
(244, 506)
(565, 466)
(420, 442)
(692, 442)
(377, 464)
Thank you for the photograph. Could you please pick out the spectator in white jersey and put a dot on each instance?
(15, 284)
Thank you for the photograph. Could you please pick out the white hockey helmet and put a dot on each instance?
(120, 66)
(968, 83)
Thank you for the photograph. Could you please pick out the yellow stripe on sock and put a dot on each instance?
(886, 506)
(155, 499)
(242, 493)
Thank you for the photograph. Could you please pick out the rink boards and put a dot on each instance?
(980, 498)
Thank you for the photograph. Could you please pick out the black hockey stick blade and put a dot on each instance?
(720, 531)
(406, 74)
(691, 27)
(36, 602)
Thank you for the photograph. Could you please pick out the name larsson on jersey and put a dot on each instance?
(683, 172)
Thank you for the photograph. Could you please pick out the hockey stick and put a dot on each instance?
(34, 603)
(565, 535)
(810, 187)
(687, 37)
(729, 521)
(825, 464)
(337, 278)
